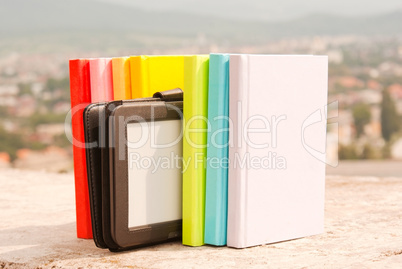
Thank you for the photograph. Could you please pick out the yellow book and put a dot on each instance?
(121, 78)
(150, 74)
(196, 70)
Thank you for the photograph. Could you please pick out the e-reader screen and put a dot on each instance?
(154, 151)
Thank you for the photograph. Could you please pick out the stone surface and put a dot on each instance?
(363, 229)
(378, 168)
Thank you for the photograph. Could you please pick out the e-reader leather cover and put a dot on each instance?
(92, 119)
(96, 124)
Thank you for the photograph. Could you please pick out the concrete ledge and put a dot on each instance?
(363, 229)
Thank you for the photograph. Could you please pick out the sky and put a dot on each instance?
(273, 10)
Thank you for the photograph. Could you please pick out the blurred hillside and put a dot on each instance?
(83, 23)
(38, 37)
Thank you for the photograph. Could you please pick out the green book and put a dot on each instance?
(195, 103)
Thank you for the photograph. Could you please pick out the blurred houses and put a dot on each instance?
(45, 133)
(4, 160)
(373, 128)
(332, 148)
(26, 106)
(396, 150)
(34, 91)
(8, 95)
(51, 159)
(396, 92)
(346, 129)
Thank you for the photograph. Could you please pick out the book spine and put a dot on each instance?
(80, 97)
(121, 78)
(165, 73)
(216, 178)
(139, 76)
(194, 148)
(237, 187)
(101, 80)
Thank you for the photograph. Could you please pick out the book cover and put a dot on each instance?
(276, 181)
(121, 78)
(217, 151)
(101, 80)
(194, 147)
(150, 74)
(80, 93)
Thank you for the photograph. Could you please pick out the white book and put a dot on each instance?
(276, 178)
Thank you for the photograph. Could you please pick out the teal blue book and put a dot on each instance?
(216, 193)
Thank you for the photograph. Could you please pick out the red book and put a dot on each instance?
(80, 90)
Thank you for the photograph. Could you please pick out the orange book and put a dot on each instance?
(121, 78)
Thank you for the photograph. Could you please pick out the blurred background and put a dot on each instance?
(362, 39)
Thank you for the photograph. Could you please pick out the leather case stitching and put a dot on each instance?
(92, 175)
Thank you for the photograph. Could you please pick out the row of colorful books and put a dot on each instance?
(256, 173)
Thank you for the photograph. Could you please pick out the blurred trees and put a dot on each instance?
(370, 152)
(362, 116)
(11, 143)
(24, 89)
(390, 120)
(347, 152)
(365, 151)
